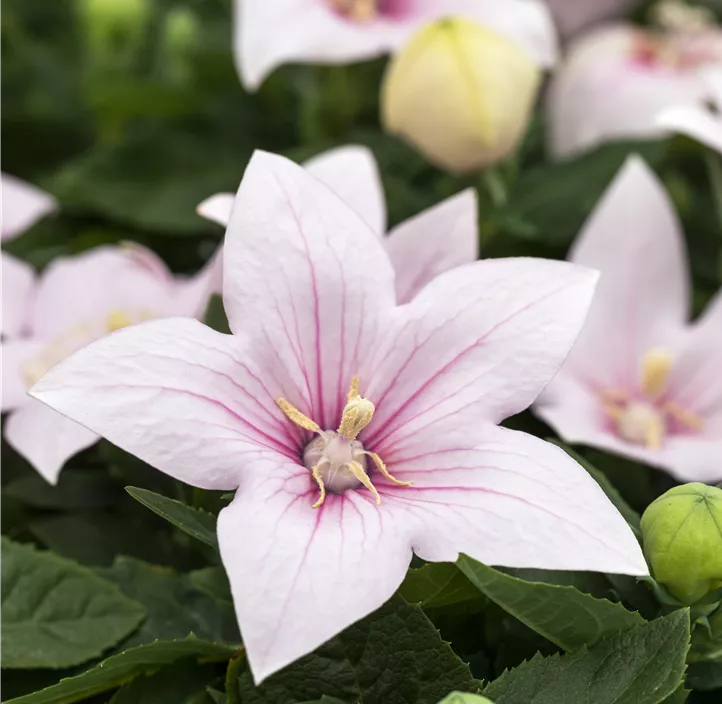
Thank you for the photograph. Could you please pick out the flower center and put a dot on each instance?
(647, 421)
(336, 459)
(64, 344)
(357, 10)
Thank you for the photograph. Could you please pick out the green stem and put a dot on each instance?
(235, 665)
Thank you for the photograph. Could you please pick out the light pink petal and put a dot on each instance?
(634, 239)
(306, 279)
(510, 499)
(45, 438)
(15, 353)
(22, 205)
(217, 208)
(86, 288)
(478, 343)
(695, 122)
(576, 413)
(696, 382)
(573, 16)
(274, 32)
(177, 394)
(528, 23)
(601, 93)
(18, 291)
(442, 237)
(352, 172)
(301, 575)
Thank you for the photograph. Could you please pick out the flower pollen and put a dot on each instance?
(336, 459)
(647, 420)
(357, 10)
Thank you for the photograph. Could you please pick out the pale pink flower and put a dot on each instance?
(616, 80)
(275, 32)
(76, 300)
(573, 16)
(354, 430)
(440, 238)
(698, 122)
(641, 380)
(22, 205)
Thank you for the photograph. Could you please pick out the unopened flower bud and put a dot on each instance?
(683, 542)
(460, 93)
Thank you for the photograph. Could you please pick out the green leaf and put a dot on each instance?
(393, 656)
(175, 608)
(215, 316)
(56, 613)
(436, 585)
(76, 488)
(705, 676)
(564, 615)
(644, 665)
(178, 683)
(195, 521)
(120, 669)
(630, 515)
(212, 581)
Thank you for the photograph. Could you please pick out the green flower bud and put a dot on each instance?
(114, 25)
(464, 698)
(682, 533)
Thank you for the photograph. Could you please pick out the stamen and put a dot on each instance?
(358, 471)
(614, 395)
(656, 366)
(316, 473)
(654, 432)
(382, 468)
(359, 10)
(614, 412)
(117, 320)
(692, 421)
(296, 416)
(357, 413)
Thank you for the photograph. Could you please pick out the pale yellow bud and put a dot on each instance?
(460, 93)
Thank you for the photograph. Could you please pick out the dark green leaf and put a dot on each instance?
(175, 608)
(564, 615)
(212, 581)
(394, 656)
(178, 683)
(56, 613)
(77, 488)
(630, 515)
(436, 585)
(643, 665)
(195, 521)
(120, 669)
(216, 315)
(705, 676)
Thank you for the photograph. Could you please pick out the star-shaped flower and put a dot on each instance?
(440, 238)
(355, 431)
(641, 380)
(74, 301)
(275, 32)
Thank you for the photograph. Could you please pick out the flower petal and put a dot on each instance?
(84, 289)
(307, 573)
(177, 394)
(306, 279)
(268, 34)
(510, 499)
(352, 172)
(22, 205)
(15, 353)
(478, 343)
(217, 208)
(634, 239)
(18, 291)
(45, 438)
(696, 122)
(440, 238)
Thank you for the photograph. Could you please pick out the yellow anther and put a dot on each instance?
(357, 413)
(692, 421)
(614, 395)
(359, 10)
(360, 473)
(654, 433)
(656, 366)
(382, 468)
(296, 416)
(614, 412)
(116, 320)
(316, 473)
